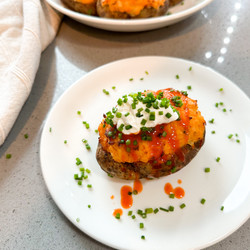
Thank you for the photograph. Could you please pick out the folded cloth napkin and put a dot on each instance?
(26, 29)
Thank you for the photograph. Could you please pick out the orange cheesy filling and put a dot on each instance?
(132, 7)
(86, 1)
(165, 139)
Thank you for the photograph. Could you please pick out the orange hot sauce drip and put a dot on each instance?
(178, 191)
(137, 186)
(118, 211)
(126, 196)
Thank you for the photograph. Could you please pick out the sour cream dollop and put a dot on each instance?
(131, 119)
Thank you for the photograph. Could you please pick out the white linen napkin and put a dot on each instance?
(26, 29)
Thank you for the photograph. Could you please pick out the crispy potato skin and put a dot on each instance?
(89, 9)
(162, 154)
(104, 11)
(174, 2)
(138, 170)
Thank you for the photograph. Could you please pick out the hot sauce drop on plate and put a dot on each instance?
(178, 191)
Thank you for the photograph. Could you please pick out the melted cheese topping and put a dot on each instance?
(130, 6)
(188, 130)
(86, 1)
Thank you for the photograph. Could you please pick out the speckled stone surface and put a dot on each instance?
(217, 36)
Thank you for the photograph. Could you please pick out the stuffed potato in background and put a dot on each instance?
(153, 151)
(83, 6)
(121, 9)
(126, 9)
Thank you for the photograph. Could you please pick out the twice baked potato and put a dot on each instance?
(152, 151)
(83, 6)
(126, 9)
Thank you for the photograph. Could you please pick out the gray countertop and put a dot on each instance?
(217, 36)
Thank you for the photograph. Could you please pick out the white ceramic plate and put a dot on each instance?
(196, 225)
(178, 13)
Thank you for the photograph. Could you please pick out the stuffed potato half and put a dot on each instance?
(128, 9)
(153, 151)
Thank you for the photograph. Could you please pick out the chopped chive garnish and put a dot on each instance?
(131, 79)
(171, 208)
(135, 192)
(65, 141)
(96, 130)
(50, 129)
(160, 112)
(216, 104)
(88, 171)
(78, 161)
(133, 216)
(207, 170)
(230, 136)
(89, 186)
(211, 121)
(118, 216)
(152, 116)
(143, 122)
(171, 196)
(128, 149)
(8, 156)
(141, 225)
(130, 213)
(146, 72)
(218, 159)
(113, 87)
(164, 133)
(163, 209)
(143, 237)
(168, 115)
(189, 87)
(168, 163)
(184, 93)
(221, 89)
(224, 110)
(141, 78)
(105, 92)
(190, 68)
(149, 210)
(238, 141)
(156, 210)
(79, 182)
(127, 114)
(222, 208)
(118, 114)
(135, 143)
(127, 127)
(139, 211)
(177, 77)
(119, 102)
(120, 128)
(182, 205)
(79, 112)
(89, 206)
(213, 132)
(86, 124)
(173, 170)
(77, 219)
(203, 201)
(26, 136)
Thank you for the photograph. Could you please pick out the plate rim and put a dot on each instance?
(102, 241)
(130, 23)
